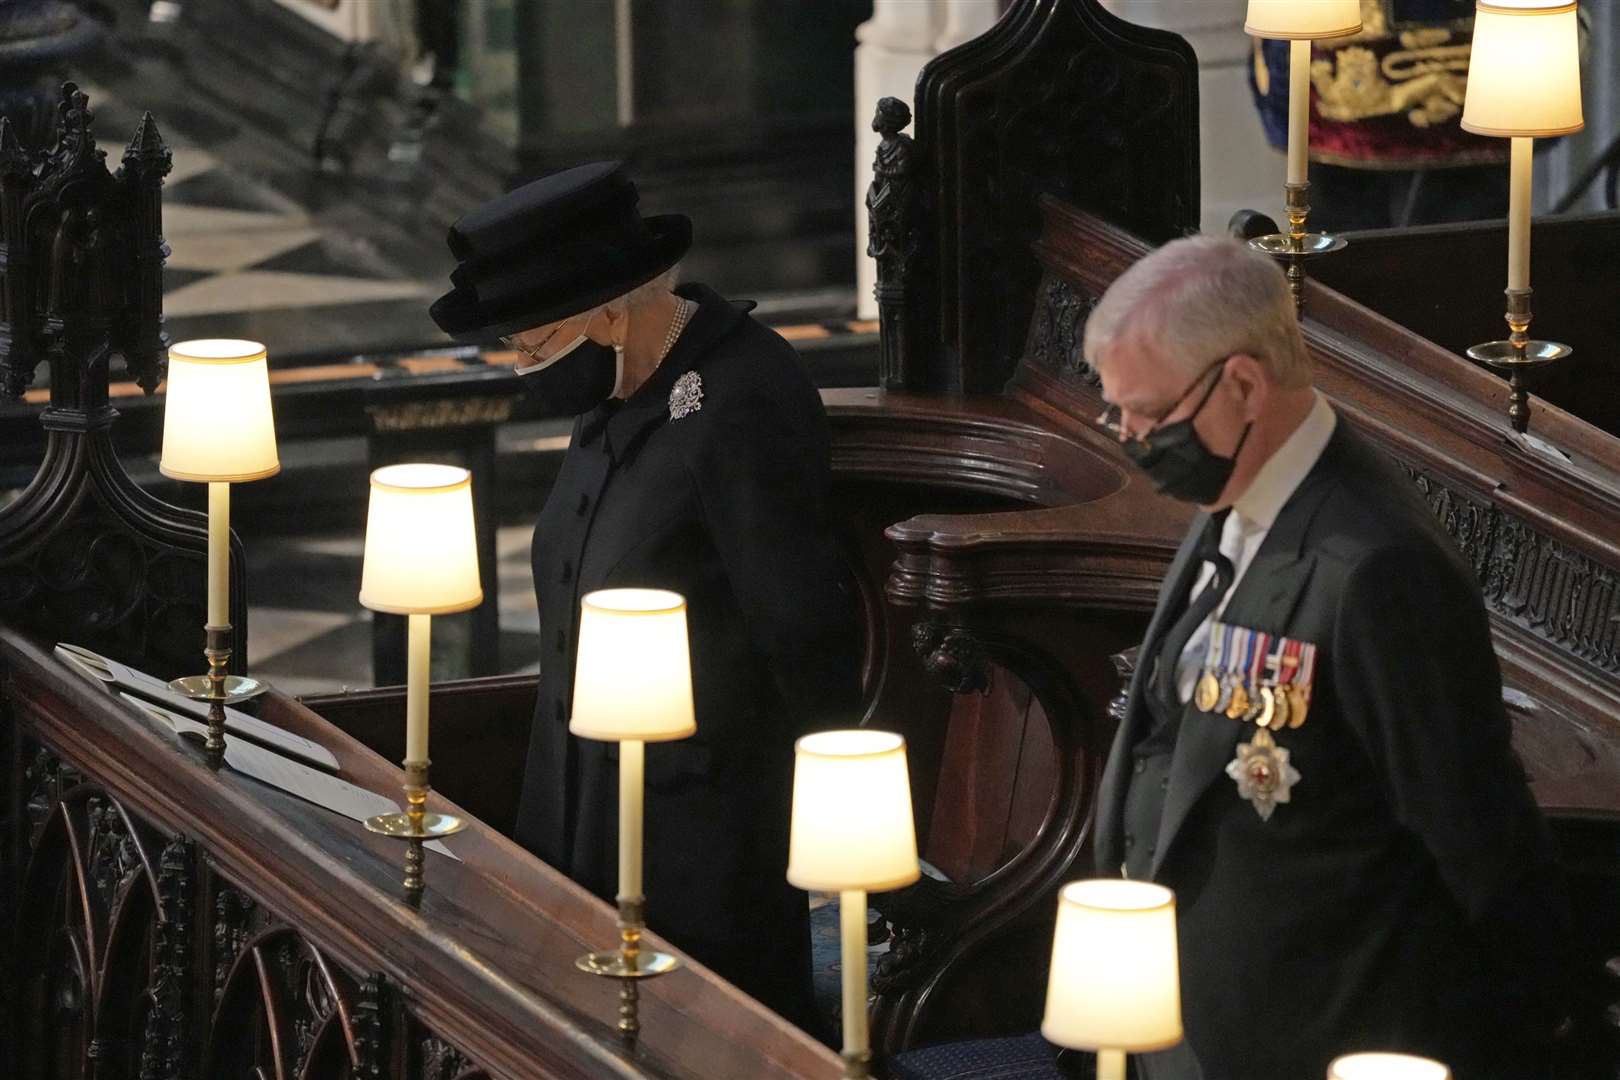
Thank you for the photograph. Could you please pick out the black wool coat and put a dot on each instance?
(1406, 897)
(727, 506)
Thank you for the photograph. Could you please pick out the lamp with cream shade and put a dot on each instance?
(218, 429)
(1524, 83)
(632, 686)
(1386, 1067)
(421, 560)
(852, 832)
(1115, 982)
(1299, 22)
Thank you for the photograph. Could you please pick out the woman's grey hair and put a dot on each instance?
(1198, 299)
(644, 292)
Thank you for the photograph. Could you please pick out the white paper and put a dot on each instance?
(237, 722)
(295, 778)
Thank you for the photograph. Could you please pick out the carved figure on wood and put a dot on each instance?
(891, 204)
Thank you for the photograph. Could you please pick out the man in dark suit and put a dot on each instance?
(1315, 757)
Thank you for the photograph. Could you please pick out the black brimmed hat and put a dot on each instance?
(553, 248)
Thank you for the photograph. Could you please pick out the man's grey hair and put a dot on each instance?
(1196, 300)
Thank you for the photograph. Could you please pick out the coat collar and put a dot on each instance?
(629, 424)
(1266, 599)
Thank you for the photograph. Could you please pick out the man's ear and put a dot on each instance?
(1250, 382)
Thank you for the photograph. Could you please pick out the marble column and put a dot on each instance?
(1240, 170)
(893, 45)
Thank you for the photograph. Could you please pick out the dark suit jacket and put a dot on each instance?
(725, 505)
(1405, 899)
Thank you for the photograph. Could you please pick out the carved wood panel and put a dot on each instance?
(137, 961)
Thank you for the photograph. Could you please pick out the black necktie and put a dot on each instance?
(1208, 550)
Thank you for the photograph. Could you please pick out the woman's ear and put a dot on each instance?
(617, 318)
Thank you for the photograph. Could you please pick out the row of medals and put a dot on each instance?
(1273, 707)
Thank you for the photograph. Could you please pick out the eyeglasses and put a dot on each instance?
(532, 353)
(1110, 419)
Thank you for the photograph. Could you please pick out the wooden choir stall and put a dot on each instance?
(167, 918)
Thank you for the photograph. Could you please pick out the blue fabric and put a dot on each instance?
(1025, 1057)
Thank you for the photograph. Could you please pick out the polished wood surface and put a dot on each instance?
(484, 965)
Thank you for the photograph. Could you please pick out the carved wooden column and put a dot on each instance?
(85, 555)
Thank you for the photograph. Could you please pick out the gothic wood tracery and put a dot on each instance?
(86, 555)
(1059, 98)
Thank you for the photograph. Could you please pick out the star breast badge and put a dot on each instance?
(1264, 776)
(687, 395)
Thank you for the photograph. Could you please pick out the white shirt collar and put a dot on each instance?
(1287, 468)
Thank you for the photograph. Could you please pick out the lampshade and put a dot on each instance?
(633, 676)
(421, 547)
(217, 425)
(1386, 1067)
(1115, 982)
(1303, 19)
(852, 826)
(1524, 74)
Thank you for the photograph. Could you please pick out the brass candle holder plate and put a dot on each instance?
(1282, 244)
(234, 688)
(399, 826)
(1505, 355)
(617, 965)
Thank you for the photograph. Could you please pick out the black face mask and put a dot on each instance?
(577, 383)
(1176, 459)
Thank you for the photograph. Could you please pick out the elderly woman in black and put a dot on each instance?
(699, 463)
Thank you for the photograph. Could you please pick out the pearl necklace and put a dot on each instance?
(683, 313)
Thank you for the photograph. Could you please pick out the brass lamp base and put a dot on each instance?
(1297, 245)
(415, 826)
(630, 965)
(1518, 357)
(216, 687)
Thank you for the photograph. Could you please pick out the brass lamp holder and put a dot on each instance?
(629, 963)
(415, 826)
(216, 687)
(1518, 357)
(1297, 245)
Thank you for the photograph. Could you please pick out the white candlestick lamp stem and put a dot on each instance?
(852, 914)
(418, 678)
(1299, 109)
(1519, 214)
(632, 766)
(1110, 1065)
(219, 554)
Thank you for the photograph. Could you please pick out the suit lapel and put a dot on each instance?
(1111, 793)
(1265, 599)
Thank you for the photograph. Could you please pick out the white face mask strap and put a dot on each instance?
(618, 371)
(530, 369)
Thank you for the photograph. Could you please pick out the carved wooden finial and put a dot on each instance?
(147, 153)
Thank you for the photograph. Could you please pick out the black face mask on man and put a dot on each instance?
(1177, 460)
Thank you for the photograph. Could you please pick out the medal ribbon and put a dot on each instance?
(1307, 666)
(1259, 645)
(1217, 648)
(1285, 670)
